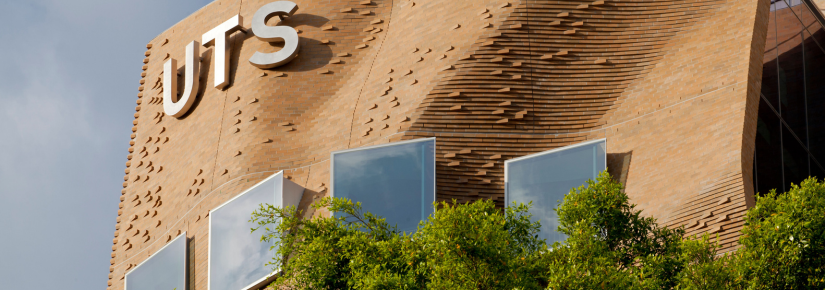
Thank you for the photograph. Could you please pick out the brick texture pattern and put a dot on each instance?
(671, 85)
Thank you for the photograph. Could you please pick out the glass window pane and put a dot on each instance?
(768, 151)
(791, 70)
(815, 85)
(237, 257)
(396, 181)
(794, 158)
(813, 26)
(807, 18)
(782, 4)
(546, 177)
(166, 269)
(817, 171)
(770, 81)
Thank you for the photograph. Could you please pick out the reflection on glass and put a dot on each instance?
(789, 137)
(395, 181)
(782, 4)
(792, 71)
(545, 178)
(166, 269)
(815, 91)
(237, 257)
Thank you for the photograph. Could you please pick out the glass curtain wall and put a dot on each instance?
(791, 128)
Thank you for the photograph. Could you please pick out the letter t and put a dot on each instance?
(218, 36)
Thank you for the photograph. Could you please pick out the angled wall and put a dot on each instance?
(672, 85)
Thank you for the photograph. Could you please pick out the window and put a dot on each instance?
(395, 181)
(768, 165)
(166, 269)
(791, 72)
(544, 178)
(237, 257)
(789, 129)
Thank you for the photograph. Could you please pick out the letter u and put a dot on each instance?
(174, 105)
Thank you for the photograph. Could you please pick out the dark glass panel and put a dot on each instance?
(755, 174)
(794, 159)
(816, 171)
(791, 70)
(768, 157)
(815, 86)
(813, 26)
(770, 84)
(807, 18)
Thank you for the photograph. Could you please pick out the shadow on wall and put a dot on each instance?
(206, 67)
(618, 165)
(190, 260)
(310, 196)
(317, 55)
(321, 55)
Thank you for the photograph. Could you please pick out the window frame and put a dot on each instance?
(420, 140)
(185, 264)
(285, 203)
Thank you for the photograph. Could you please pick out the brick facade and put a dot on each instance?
(672, 85)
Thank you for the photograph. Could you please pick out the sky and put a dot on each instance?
(69, 76)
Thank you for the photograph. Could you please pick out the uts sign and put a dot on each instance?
(177, 105)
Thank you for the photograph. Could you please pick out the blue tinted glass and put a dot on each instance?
(166, 269)
(545, 179)
(396, 182)
(237, 257)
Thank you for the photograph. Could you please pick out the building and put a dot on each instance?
(694, 105)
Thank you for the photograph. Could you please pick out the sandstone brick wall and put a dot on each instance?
(819, 4)
(672, 85)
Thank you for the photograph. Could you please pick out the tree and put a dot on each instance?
(783, 241)
(473, 246)
(609, 245)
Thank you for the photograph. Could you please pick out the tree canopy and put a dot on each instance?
(610, 245)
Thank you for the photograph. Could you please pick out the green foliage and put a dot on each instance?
(474, 246)
(703, 268)
(784, 240)
(609, 245)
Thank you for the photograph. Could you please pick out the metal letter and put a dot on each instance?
(273, 33)
(172, 104)
(219, 36)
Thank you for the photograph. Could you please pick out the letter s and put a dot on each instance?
(273, 33)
